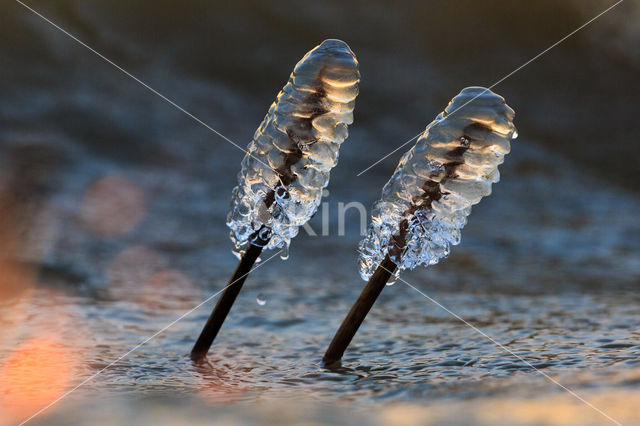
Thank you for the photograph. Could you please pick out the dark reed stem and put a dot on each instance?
(359, 311)
(225, 302)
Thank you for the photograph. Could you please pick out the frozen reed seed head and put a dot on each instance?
(451, 167)
(288, 161)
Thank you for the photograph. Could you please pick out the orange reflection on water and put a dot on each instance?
(35, 374)
(112, 206)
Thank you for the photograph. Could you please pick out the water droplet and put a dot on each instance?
(464, 141)
(392, 280)
(261, 300)
(284, 253)
(514, 135)
(325, 192)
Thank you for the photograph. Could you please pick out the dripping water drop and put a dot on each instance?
(392, 280)
(261, 300)
(284, 253)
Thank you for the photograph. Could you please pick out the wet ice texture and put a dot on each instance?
(451, 167)
(289, 159)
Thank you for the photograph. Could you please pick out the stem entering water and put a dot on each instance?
(220, 312)
(359, 311)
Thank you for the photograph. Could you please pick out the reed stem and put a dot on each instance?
(220, 312)
(359, 311)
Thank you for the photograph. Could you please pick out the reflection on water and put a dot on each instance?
(35, 373)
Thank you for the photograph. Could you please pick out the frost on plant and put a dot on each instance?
(451, 167)
(289, 159)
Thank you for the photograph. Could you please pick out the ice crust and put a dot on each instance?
(451, 167)
(288, 161)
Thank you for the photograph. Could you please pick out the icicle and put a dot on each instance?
(299, 140)
(451, 167)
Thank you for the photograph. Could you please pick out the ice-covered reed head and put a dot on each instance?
(451, 167)
(288, 161)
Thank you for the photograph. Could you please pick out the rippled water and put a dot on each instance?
(409, 350)
(113, 209)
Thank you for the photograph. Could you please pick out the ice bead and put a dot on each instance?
(294, 148)
(451, 167)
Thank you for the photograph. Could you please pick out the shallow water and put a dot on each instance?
(113, 226)
(409, 350)
(573, 317)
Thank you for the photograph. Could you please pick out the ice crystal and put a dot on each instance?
(288, 161)
(451, 167)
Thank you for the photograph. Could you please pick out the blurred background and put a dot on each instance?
(113, 206)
